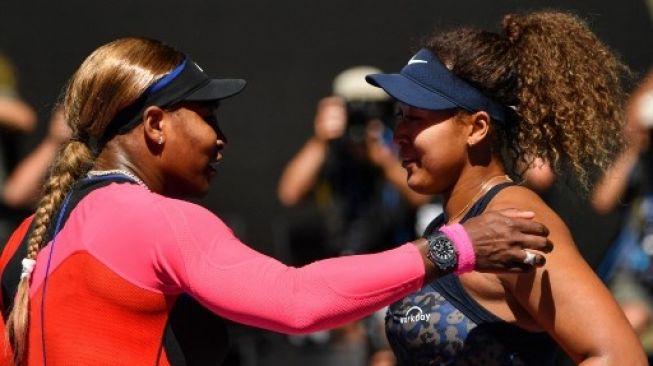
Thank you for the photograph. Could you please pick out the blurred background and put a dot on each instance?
(289, 52)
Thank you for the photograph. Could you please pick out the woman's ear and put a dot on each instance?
(153, 124)
(480, 127)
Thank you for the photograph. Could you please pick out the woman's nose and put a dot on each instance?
(221, 137)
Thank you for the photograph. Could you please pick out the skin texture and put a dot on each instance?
(542, 300)
(194, 144)
(182, 164)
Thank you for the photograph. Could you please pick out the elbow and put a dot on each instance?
(631, 354)
(601, 206)
(302, 323)
(301, 312)
(298, 329)
(621, 359)
(287, 197)
(15, 198)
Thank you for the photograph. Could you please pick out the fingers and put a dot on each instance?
(499, 241)
(526, 232)
(531, 258)
(516, 213)
(513, 261)
(330, 119)
(537, 242)
(374, 130)
(526, 260)
(529, 227)
(531, 235)
(332, 100)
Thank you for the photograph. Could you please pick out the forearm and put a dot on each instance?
(24, 184)
(16, 115)
(263, 292)
(611, 187)
(301, 173)
(248, 287)
(205, 259)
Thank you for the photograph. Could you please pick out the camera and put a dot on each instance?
(360, 113)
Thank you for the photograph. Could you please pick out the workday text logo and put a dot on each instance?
(414, 315)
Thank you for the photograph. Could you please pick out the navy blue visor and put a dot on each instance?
(187, 82)
(427, 84)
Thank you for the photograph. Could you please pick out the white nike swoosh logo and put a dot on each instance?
(413, 61)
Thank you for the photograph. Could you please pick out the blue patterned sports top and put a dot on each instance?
(443, 325)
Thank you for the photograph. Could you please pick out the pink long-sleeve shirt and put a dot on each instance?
(125, 254)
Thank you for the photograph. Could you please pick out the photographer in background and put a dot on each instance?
(346, 180)
(346, 193)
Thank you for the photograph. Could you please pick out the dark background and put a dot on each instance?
(288, 51)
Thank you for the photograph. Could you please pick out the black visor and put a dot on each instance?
(185, 83)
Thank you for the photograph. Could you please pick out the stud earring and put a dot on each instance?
(160, 141)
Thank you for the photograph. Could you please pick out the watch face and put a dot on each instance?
(442, 252)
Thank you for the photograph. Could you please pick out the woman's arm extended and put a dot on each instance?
(205, 259)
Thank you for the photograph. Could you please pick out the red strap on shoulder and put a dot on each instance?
(6, 356)
(12, 245)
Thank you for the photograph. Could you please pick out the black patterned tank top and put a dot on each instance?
(443, 325)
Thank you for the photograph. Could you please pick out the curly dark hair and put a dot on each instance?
(564, 84)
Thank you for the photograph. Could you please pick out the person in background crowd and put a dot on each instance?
(345, 189)
(628, 185)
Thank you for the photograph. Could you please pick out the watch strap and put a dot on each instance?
(463, 245)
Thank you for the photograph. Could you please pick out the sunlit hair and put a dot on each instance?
(564, 84)
(110, 79)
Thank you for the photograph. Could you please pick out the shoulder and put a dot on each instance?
(525, 199)
(565, 251)
(132, 203)
(516, 196)
(564, 288)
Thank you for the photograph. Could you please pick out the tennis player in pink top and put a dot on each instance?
(93, 278)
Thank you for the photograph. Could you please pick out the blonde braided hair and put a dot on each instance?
(110, 79)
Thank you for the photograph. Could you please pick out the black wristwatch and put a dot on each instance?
(441, 251)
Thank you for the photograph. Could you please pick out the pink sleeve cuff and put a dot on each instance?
(464, 247)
